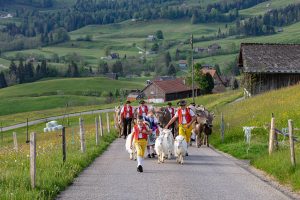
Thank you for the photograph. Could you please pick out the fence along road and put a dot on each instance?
(206, 175)
(38, 121)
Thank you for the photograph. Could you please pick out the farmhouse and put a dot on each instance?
(269, 66)
(219, 83)
(160, 91)
(182, 64)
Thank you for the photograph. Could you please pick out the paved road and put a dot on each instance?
(38, 121)
(206, 174)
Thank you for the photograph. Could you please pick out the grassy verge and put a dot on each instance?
(53, 175)
(256, 112)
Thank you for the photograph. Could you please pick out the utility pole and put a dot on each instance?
(193, 86)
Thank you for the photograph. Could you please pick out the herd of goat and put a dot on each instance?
(166, 143)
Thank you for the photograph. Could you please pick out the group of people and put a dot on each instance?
(146, 129)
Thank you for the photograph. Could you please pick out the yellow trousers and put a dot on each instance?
(140, 146)
(185, 132)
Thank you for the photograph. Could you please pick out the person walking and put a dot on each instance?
(185, 117)
(140, 136)
(142, 109)
(172, 113)
(126, 116)
(153, 123)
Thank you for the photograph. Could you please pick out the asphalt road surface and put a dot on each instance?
(206, 174)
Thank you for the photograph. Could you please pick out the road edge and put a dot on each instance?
(262, 175)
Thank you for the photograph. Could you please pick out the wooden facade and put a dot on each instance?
(168, 90)
(269, 66)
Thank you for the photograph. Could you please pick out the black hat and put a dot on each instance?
(142, 101)
(128, 102)
(169, 104)
(181, 103)
(140, 117)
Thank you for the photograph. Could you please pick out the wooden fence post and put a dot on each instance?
(82, 139)
(272, 135)
(32, 158)
(15, 141)
(101, 125)
(222, 127)
(64, 149)
(108, 122)
(291, 137)
(97, 130)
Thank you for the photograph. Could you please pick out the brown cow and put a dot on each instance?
(203, 127)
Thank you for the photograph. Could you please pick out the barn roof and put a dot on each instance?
(270, 58)
(171, 86)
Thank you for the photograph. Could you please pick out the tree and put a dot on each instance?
(103, 68)
(117, 67)
(3, 83)
(234, 83)
(155, 47)
(159, 35)
(172, 70)
(205, 82)
(168, 58)
(107, 51)
(72, 70)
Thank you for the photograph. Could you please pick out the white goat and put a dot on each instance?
(132, 152)
(180, 148)
(159, 148)
(168, 142)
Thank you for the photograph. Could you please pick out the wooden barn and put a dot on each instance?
(167, 90)
(269, 66)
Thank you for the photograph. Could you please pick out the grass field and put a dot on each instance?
(257, 112)
(4, 64)
(265, 6)
(50, 94)
(52, 175)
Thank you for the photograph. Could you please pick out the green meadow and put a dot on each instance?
(256, 112)
(262, 8)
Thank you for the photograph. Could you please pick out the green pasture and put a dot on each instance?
(52, 175)
(262, 8)
(256, 112)
(224, 60)
(57, 93)
(68, 86)
(4, 64)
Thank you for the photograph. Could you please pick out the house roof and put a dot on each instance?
(212, 72)
(270, 58)
(171, 86)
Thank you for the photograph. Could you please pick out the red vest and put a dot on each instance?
(172, 112)
(137, 131)
(188, 116)
(126, 111)
(145, 110)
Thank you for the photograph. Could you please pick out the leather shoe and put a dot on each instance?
(186, 154)
(140, 168)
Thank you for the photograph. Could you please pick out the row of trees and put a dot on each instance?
(35, 3)
(265, 24)
(25, 72)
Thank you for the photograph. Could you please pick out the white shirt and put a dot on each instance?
(143, 110)
(122, 111)
(183, 115)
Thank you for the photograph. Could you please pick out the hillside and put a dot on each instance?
(257, 112)
(58, 93)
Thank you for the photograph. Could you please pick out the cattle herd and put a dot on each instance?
(168, 143)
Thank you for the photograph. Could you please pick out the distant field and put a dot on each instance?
(264, 7)
(4, 64)
(223, 60)
(50, 94)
